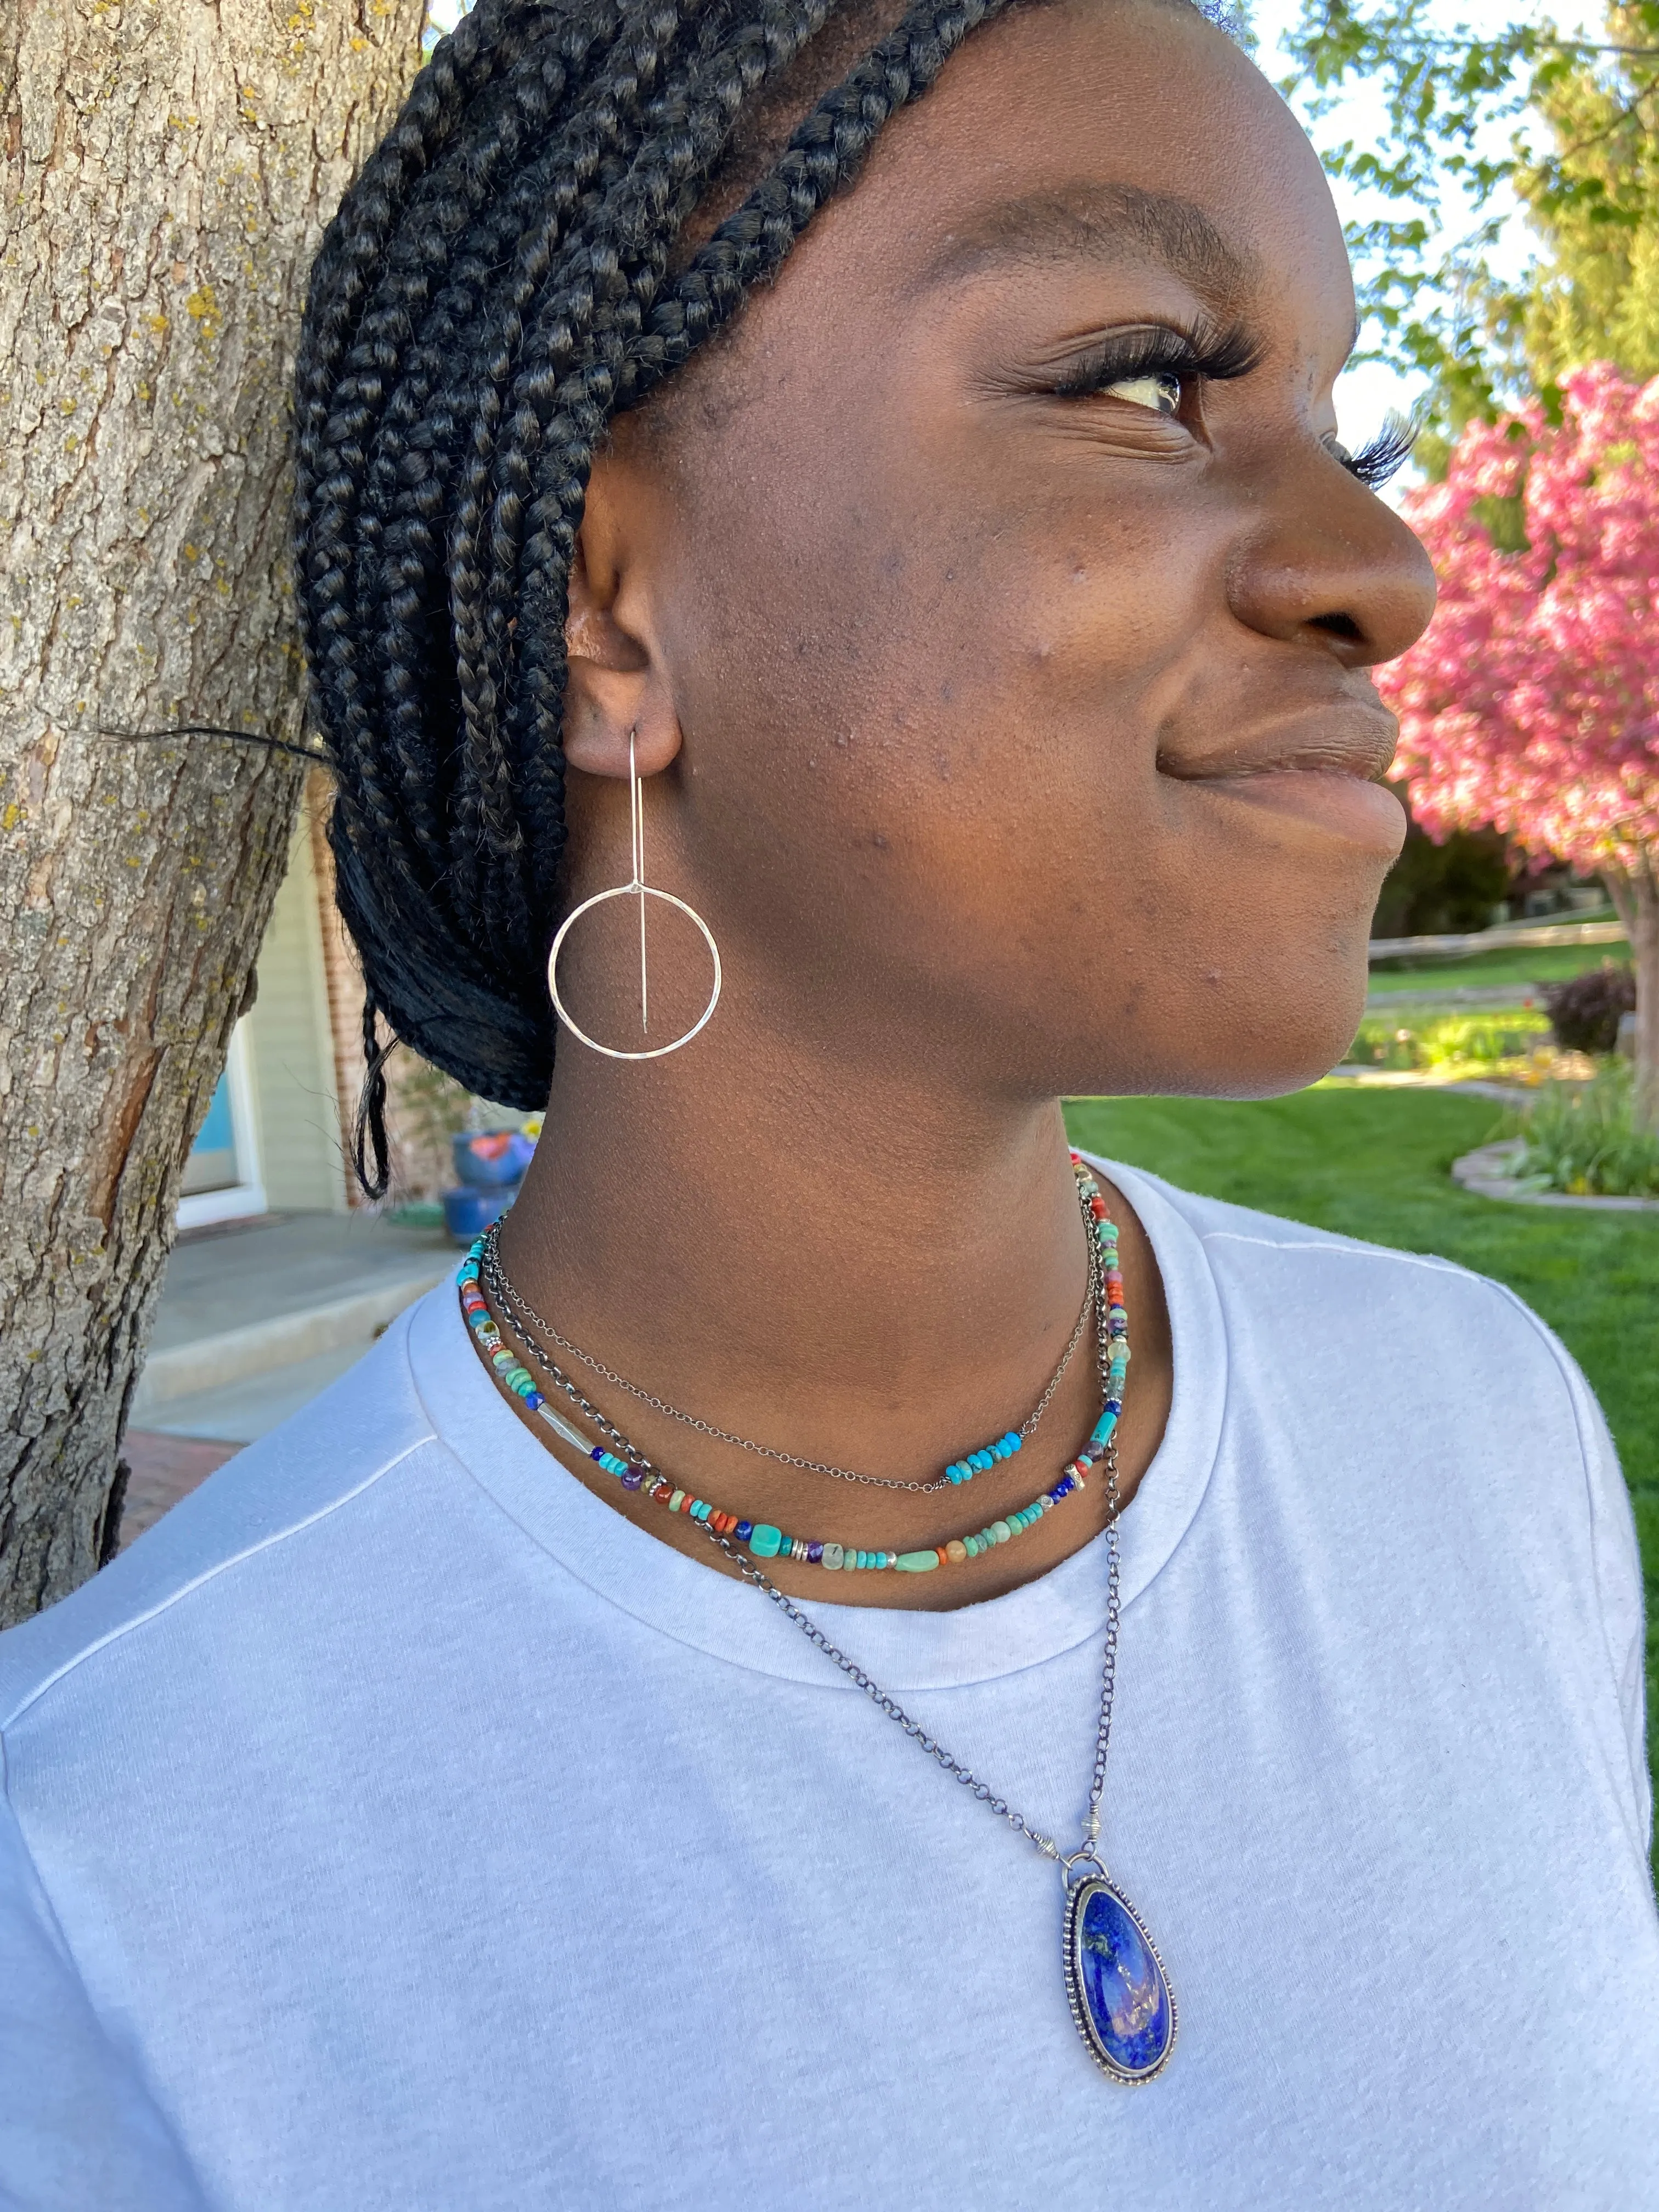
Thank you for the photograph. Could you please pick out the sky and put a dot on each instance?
(1366, 393)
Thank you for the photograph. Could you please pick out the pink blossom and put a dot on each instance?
(1532, 700)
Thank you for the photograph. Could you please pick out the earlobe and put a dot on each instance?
(616, 688)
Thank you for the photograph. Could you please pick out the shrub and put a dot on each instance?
(1585, 1142)
(1584, 1012)
(1440, 1040)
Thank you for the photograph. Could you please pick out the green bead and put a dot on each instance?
(765, 1539)
(917, 1563)
(1000, 1532)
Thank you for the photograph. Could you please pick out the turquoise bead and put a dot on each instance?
(765, 1540)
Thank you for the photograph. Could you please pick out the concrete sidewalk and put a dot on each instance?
(256, 1318)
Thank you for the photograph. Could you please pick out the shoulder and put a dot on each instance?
(326, 1466)
(1403, 1373)
(1314, 1288)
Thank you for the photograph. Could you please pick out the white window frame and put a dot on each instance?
(246, 1195)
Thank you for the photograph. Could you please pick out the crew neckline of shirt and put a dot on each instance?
(902, 1648)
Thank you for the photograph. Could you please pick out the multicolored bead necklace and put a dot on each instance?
(762, 1540)
(959, 1471)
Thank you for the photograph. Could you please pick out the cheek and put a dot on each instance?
(924, 709)
(963, 641)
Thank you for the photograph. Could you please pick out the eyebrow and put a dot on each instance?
(1092, 221)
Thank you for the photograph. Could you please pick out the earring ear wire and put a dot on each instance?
(636, 886)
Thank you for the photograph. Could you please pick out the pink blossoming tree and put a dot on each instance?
(1532, 700)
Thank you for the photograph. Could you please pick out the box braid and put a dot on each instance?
(506, 275)
(498, 284)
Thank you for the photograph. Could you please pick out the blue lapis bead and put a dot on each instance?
(743, 1531)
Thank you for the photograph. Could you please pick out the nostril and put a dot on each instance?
(1343, 626)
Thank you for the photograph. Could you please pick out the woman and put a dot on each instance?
(875, 482)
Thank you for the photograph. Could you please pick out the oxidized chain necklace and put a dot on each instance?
(1119, 1992)
(961, 1470)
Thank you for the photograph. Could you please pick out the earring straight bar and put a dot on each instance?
(636, 807)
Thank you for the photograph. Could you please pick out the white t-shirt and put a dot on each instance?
(397, 1826)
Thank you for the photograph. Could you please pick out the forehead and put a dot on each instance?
(1090, 130)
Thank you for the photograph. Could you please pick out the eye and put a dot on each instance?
(1160, 392)
(1153, 365)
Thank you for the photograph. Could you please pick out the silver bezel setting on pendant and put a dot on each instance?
(1078, 1890)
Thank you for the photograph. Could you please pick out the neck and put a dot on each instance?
(858, 1266)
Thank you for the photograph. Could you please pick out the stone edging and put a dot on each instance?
(1485, 1173)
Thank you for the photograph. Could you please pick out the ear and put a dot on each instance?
(618, 686)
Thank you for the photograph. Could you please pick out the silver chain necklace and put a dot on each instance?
(1119, 1991)
(521, 1306)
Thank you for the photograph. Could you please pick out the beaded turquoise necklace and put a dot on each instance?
(1121, 1999)
(616, 1455)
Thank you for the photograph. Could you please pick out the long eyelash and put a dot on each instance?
(1387, 453)
(1157, 349)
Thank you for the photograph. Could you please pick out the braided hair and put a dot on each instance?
(516, 265)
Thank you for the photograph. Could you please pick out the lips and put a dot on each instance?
(1345, 737)
(1323, 770)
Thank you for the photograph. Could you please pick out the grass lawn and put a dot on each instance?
(1545, 963)
(1373, 1164)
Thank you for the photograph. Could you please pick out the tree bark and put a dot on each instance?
(169, 168)
(1635, 894)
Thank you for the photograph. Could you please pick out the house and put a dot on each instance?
(276, 1138)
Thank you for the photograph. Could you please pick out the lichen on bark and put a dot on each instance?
(168, 170)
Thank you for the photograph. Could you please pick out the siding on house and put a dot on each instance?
(291, 1049)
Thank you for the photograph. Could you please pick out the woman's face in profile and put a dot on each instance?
(1012, 596)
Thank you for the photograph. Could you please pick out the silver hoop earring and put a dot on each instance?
(636, 887)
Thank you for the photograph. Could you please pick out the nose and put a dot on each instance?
(1330, 565)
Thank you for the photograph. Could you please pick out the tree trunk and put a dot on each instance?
(168, 166)
(1635, 895)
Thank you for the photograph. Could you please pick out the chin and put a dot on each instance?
(1285, 1048)
(1254, 1042)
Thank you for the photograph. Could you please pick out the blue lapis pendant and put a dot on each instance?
(1121, 1996)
